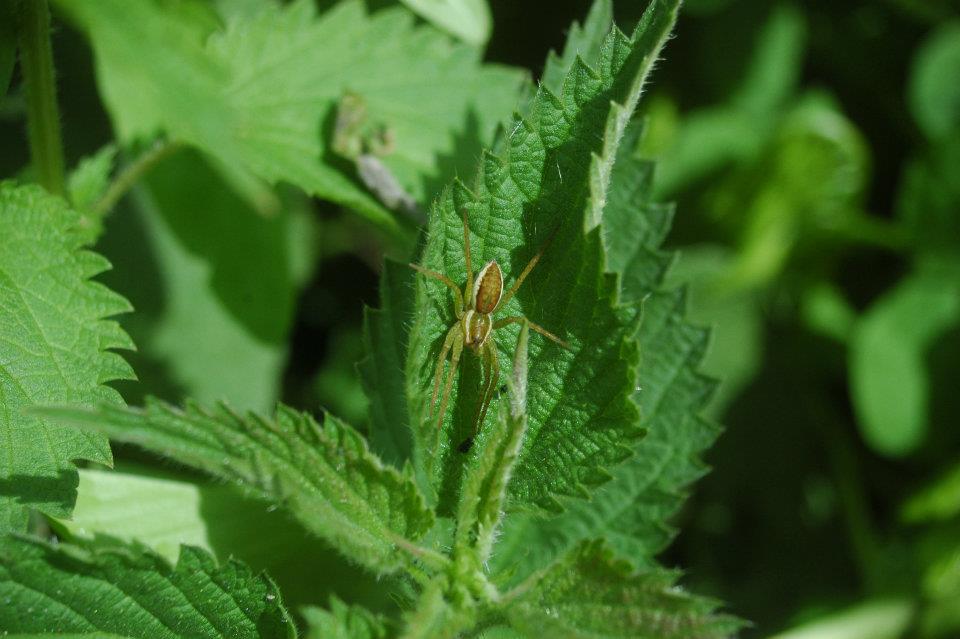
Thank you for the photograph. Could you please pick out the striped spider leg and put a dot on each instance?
(475, 307)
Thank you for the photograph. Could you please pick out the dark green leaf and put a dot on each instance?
(107, 587)
(323, 474)
(548, 175)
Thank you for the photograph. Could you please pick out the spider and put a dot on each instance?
(475, 306)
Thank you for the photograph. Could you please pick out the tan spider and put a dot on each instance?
(475, 307)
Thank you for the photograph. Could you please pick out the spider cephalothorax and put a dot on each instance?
(474, 307)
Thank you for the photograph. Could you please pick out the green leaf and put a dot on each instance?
(934, 93)
(469, 20)
(129, 591)
(86, 184)
(385, 332)
(583, 41)
(548, 175)
(773, 73)
(588, 594)
(632, 511)
(323, 474)
(260, 95)
(165, 510)
(888, 378)
(215, 285)
(54, 346)
(870, 619)
(343, 621)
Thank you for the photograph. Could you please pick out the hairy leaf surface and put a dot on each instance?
(54, 345)
(632, 511)
(260, 94)
(590, 595)
(107, 587)
(548, 175)
(324, 474)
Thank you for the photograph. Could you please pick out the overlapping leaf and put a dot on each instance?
(589, 594)
(54, 345)
(324, 474)
(548, 175)
(632, 511)
(260, 95)
(105, 588)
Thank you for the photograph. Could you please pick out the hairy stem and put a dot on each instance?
(129, 176)
(43, 118)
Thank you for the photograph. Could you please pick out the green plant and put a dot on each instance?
(549, 524)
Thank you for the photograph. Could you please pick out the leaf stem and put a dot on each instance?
(129, 176)
(43, 118)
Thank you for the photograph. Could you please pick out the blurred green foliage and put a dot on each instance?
(813, 150)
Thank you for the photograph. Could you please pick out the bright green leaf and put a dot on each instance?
(469, 20)
(590, 595)
(548, 175)
(343, 621)
(935, 82)
(129, 591)
(888, 378)
(260, 95)
(322, 473)
(215, 285)
(54, 348)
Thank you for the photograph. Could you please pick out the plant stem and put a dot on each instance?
(133, 172)
(43, 119)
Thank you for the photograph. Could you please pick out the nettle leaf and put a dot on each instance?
(632, 510)
(105, 588)
(344, 621)
(589, 594)
(324, 474)
(583, 42)
(54, 345)
(215, 285)
(260, 95)
(547, 176)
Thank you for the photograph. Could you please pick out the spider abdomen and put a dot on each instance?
(488, 288)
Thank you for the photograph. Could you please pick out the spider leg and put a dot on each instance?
(526, 270)
(518, 319)
(457, 296)
(454, 333)
(454, 362)
(492, 373)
